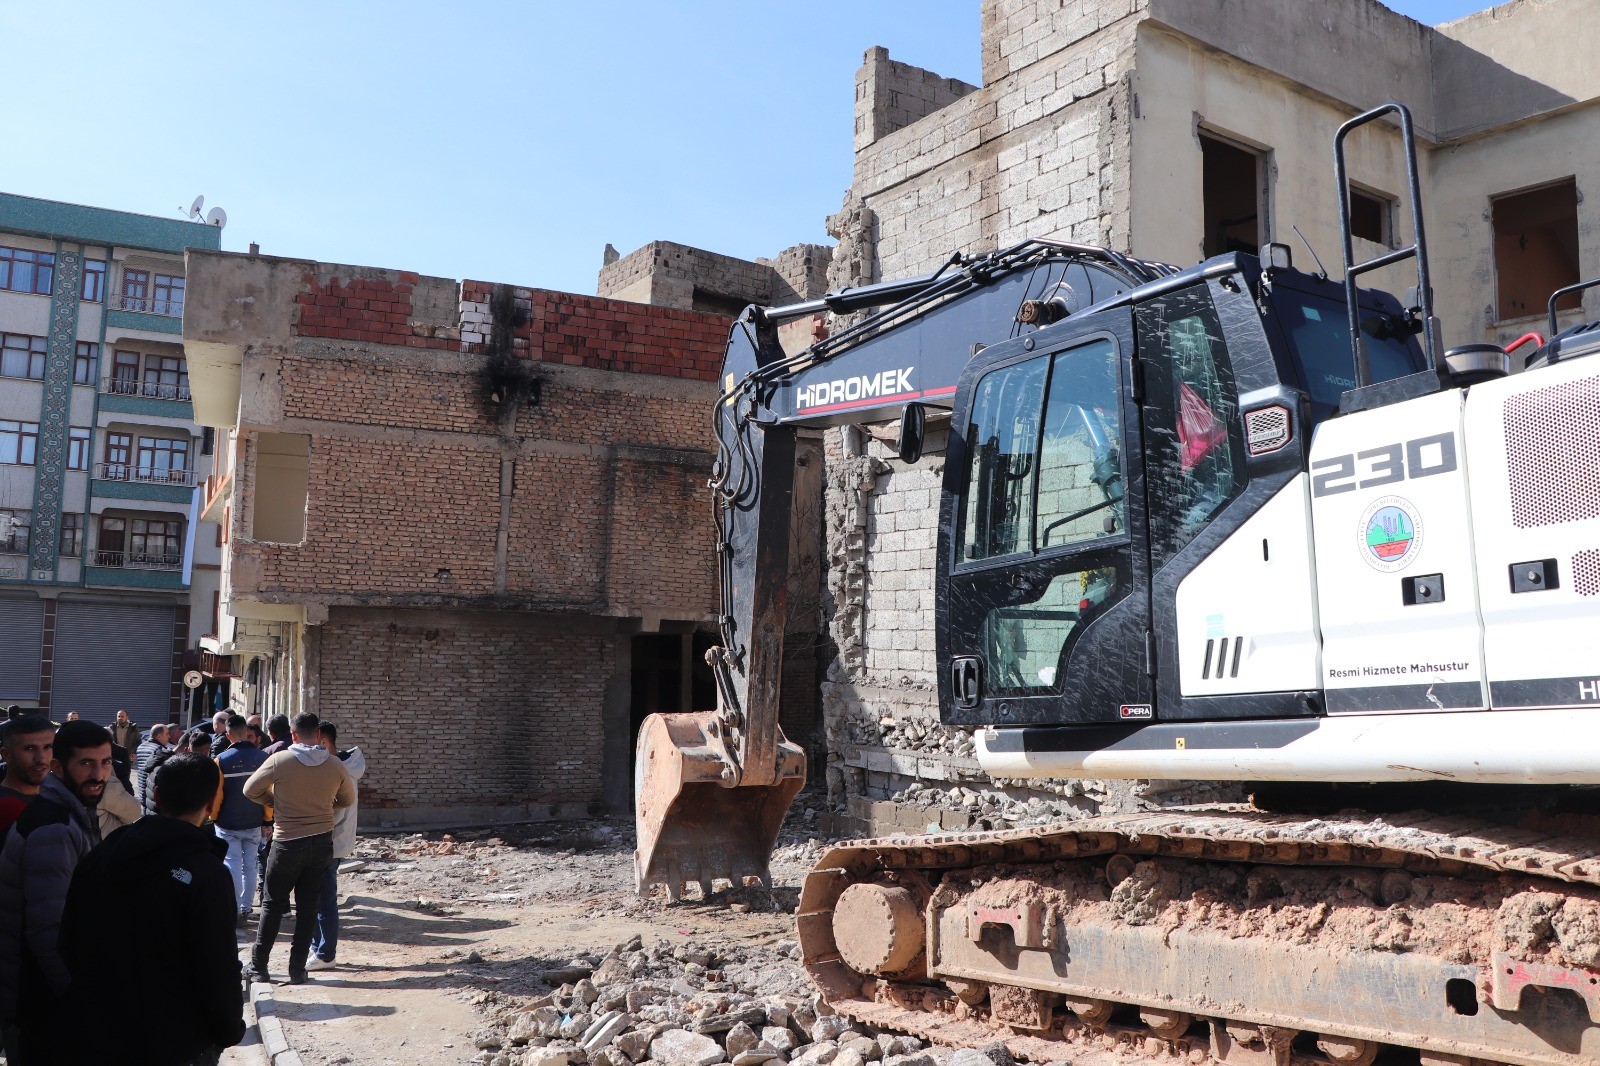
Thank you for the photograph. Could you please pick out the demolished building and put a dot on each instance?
(460, 520)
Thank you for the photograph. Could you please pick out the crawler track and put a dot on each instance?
(1084, 940)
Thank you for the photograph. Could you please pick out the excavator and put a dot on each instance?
(1236, 522)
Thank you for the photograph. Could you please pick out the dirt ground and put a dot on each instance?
(443, 933)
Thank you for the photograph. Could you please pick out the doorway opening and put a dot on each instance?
(669, 675)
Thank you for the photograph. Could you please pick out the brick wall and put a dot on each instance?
(466, 711)
(469, 565)
(607, 470)
(661, 515)
(374, 306)
(383, 517)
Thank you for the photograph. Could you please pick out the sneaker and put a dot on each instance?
(258, 973)
(317, 962)
(298, 977)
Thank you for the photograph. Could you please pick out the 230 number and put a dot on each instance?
(1385, 465)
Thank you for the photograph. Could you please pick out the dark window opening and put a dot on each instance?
(717, 303)
(1535, 249)
(1230, 181)
(1369, 217)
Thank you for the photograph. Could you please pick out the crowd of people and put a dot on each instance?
(100, 827)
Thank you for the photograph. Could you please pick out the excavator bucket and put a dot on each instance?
(693, 825)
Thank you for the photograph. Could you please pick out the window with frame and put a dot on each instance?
(71, 543)
(167, 295)
(119, 456)
(22, 356)
(77, 448)
(23, 270)
(94, 281)
(112, 542)
(135, 290)
(166, 377)
(155, 542)
(124, 373)
(19, 442)
(84, 362)
(15, 525)
(161, 459)
(1046, 472)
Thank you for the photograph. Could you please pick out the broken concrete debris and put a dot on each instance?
(687, 1005)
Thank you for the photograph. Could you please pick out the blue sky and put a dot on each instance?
(497, 140)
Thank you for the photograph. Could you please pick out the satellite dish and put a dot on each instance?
(194, 208)
(217, 217)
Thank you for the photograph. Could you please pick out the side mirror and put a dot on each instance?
(913, 425)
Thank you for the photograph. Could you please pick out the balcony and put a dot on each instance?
(138, 560)
(129, 481)
(144, 305)
(143, 475)
(150, 390)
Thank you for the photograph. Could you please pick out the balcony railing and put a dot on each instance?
(154, 390)
(138, 560)
(145, 305)
(144, 475)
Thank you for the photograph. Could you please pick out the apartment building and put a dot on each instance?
(104, 584)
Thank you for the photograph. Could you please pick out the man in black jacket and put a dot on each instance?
(154, 743)
(161, 865)
(59, 828)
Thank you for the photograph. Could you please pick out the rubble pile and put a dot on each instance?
(994, 809)
(686, 1004)
(913, 733)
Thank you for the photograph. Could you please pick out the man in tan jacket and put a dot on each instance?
(304, 787)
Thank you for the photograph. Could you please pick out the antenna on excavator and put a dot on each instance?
(1320, 268)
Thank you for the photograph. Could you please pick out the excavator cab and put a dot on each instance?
(1093, 464)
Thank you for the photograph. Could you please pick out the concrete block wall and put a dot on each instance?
(1040, 151)
(801, 273)
(667, 274)
(892, 95)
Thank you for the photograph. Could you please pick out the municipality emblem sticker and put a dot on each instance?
(1391, 534)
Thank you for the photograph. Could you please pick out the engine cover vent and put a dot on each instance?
(1553, 453)
(1586, 572)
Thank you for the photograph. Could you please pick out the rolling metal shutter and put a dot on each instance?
(110, 657)
(21, 648)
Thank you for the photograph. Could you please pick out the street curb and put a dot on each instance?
(274, 1044)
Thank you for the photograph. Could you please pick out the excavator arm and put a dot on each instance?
(712, 787)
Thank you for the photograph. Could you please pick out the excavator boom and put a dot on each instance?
(712, 786)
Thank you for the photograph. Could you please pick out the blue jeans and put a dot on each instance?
(243, 851)
(325, 941)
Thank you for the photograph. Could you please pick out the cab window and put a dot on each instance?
(1194, 451)
(1319, 340)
